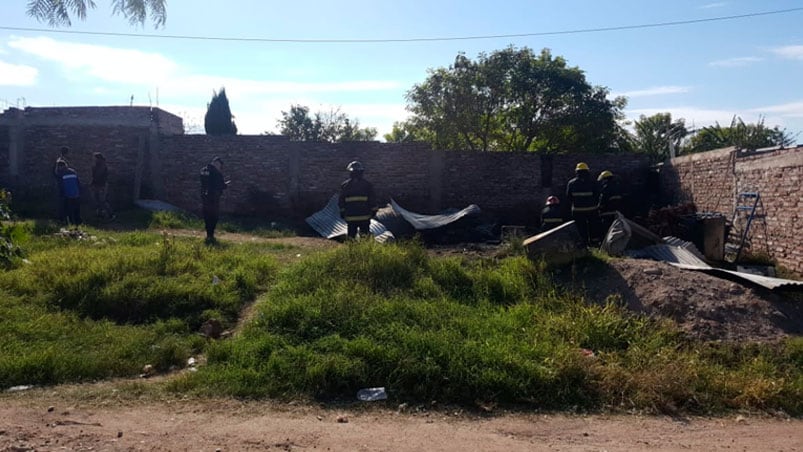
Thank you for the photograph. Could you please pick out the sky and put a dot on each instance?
(705, 72)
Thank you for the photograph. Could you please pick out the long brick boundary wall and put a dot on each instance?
(150, 157)
(712, 180)
(271, 174)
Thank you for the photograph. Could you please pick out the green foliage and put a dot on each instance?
(513, 100)
(11, 234)
(738, 134)
(476, 332)
(84, 310)
(57, 12)
(175, 220)
(218, 119)
(333, 126)
(654, 135)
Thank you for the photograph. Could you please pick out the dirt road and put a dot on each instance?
(50, 425)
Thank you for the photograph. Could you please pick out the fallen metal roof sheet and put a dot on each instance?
(328, 223)
(421, 222)
(685, 255)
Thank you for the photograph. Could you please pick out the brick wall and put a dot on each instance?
(713, 179)
(273, 175)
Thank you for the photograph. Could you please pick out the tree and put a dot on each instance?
(333, 126)
(218, 119)
(514, 100)
(58, 12)
(657, 134)
(740, 135)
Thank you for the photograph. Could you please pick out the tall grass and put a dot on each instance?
(475, 332)
(87, 309)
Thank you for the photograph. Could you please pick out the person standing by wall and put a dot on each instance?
(212, 186)
(70, 193)
(582, 192)
(61, 214)
(99, 187)
(356, 201)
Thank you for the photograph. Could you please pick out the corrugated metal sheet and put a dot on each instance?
(422, 222)
(327, 223)
(685, 255)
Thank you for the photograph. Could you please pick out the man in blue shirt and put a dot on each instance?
(69, 191)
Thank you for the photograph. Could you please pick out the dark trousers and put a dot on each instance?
(72, 211)
(587, 225)
(211, 212)
(363, 226)
(606, 219)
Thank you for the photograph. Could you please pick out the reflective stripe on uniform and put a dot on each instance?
(358, 218)
(356, 199)
(553, 220)
(607, 214)
(615, 198)
(584, 209)
(583, 193)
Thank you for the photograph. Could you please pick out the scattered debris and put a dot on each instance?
(212, 329)
(50, 409)
(342, 419)
(19, 388)
(558, 246)
(372, 394)
(147, 371)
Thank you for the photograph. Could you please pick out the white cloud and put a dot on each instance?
(151, 70)
(655, 91)
(712, 5)
(101, 62)
(789, 52)
(790, 110)
(17, 74)
(735, 62)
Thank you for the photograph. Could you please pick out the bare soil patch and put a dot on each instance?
(47, 422)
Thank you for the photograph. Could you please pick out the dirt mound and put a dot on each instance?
(704, 306)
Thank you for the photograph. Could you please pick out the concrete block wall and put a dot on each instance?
(713, 179)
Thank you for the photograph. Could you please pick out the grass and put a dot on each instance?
(478, 333)
(87, 309)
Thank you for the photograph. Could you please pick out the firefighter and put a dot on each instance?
(610, 199)
(583, 194)
(551, 217)
(356, 201)
(212, 186)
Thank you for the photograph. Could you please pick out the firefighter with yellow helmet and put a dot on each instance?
(583, 194)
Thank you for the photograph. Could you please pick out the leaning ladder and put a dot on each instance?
(745, 210)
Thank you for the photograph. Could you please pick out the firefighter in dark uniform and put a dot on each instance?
(610, 199)
(551, 216)
(356, 201)
(583, 193)
(212, 186)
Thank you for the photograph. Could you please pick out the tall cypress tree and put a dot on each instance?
(218, 119)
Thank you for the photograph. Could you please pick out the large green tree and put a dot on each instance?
(739, 134)
(658, 135)
(333, 126)
(218, 119)
(60, 12)
(513, 100)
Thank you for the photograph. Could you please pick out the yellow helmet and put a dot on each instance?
(604, 175)
(581, 166)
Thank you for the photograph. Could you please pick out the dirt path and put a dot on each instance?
(48, 425)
